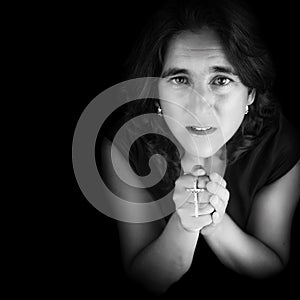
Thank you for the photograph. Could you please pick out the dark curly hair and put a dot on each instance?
(238, 31)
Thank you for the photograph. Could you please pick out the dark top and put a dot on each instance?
(272, 158)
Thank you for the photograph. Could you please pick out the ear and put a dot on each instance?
(251, 96)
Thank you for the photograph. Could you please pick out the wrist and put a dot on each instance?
(217, 230)
(181, 228)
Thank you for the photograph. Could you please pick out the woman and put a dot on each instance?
(215, 98)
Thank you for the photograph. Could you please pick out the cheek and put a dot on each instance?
(231, 116)
(173, 105)
(172, 115)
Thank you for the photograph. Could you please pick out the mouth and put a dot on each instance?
(197, 130)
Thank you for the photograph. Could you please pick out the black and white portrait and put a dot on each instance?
(189, 109)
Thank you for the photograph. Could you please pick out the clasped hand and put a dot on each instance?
(212, 201)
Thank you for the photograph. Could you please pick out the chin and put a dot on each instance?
(203, 151)
(204, 147)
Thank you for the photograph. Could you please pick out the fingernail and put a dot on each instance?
(198, 168)
(201, 172)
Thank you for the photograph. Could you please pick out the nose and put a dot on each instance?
(200, 101)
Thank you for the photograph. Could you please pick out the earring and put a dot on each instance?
(247, 110)
(159, 111)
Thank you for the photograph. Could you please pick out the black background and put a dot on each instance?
(94, 42)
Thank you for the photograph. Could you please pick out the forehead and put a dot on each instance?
(204, 44)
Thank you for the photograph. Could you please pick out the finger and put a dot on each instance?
(218, 178)
(195, 224)
(189, 210)
(181, 197)
(217, 189)
(205, 210)
(218, 204)
(185, 181)
(198, 170)
(216, 217)
(202, 181)
(204, 196)
(204, 221)
(208, 229)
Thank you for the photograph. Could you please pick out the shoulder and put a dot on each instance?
(282, 150)
(274, 155)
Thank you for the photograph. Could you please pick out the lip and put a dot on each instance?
(200, 130)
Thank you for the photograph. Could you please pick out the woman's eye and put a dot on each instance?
(221, 81)
(179, 80)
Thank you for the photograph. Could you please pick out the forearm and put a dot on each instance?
(166, 259)
(242, 252)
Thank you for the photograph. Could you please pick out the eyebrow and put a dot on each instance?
(214, 69)
(174, 71)
(222, 69)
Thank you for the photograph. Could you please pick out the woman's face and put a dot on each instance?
(205, 100)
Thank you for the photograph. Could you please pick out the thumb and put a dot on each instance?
(198, 170)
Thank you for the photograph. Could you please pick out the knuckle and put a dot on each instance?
(226, 195)
(210, 185)
(219, 188)
(207, 219)
(218, 178)
(213, 199)
(177, 185)
(222, 207)
(175, 197)
(219, 206)
(214, 175)
(216, 217)
(178, 181)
